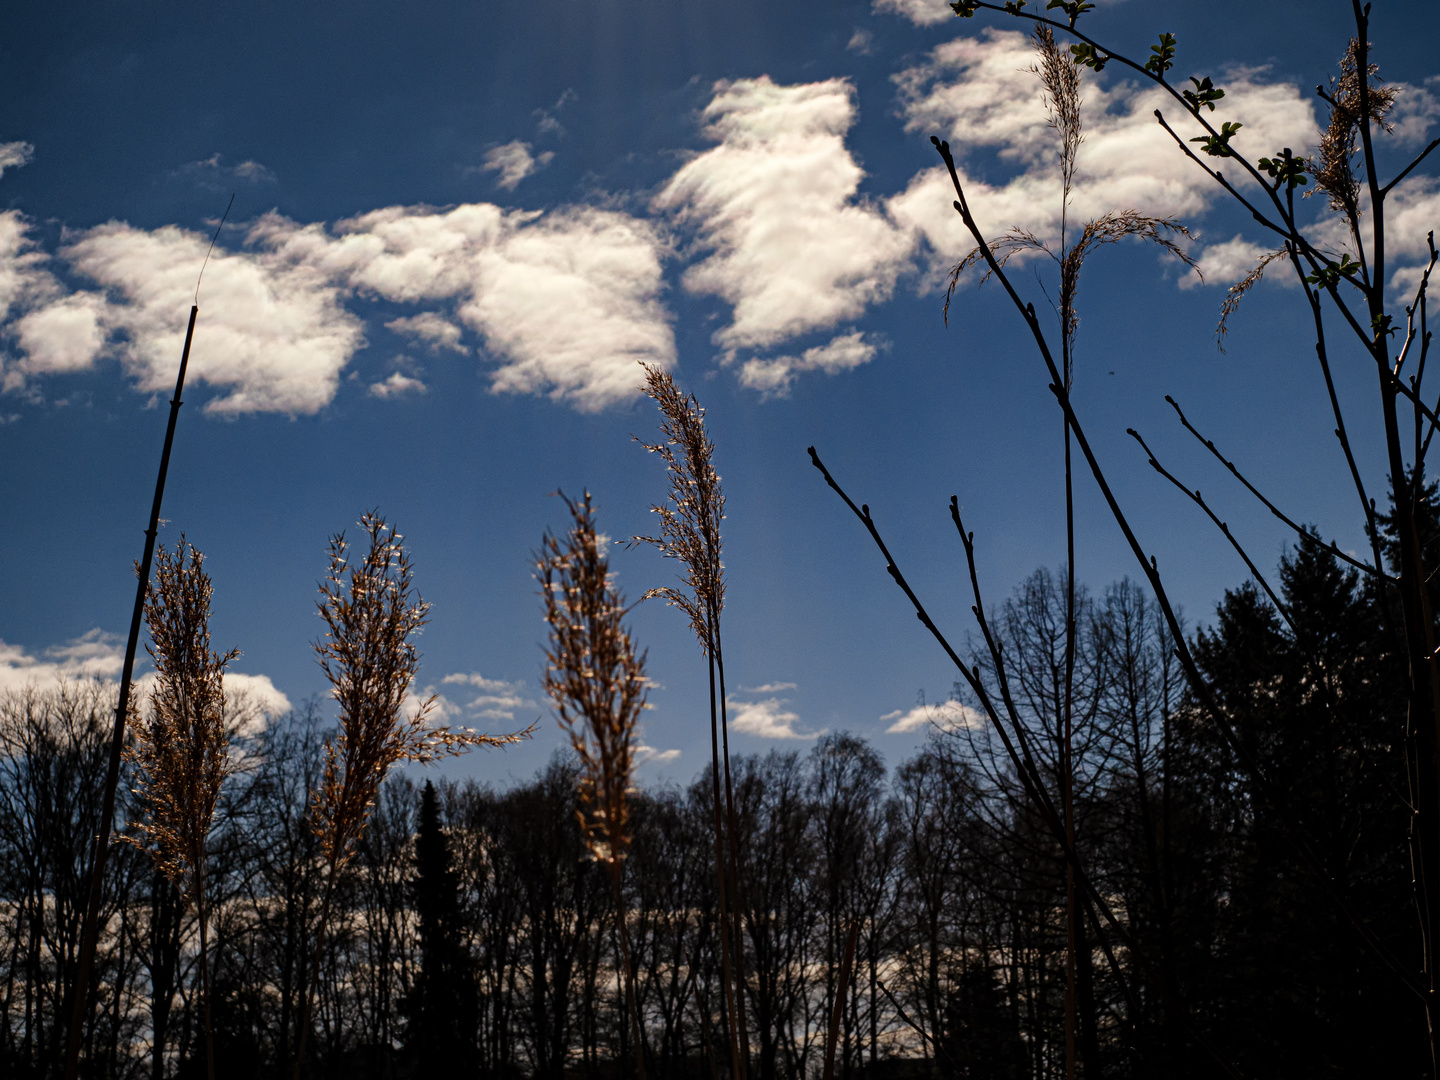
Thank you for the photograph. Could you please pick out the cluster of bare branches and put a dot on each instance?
(1354, 283)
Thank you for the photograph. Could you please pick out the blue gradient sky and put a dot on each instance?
(152, 114)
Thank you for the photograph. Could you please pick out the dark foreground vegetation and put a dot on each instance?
(471, 935)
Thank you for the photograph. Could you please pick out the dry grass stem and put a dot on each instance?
(181, 749)
(597, 682)
(690, 518)
(1237, 292)
(593, 675)
(368, 653)
(1340, 143)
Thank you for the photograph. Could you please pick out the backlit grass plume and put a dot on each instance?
(181, 748)
(690, 533)
(597, 682)
(372, 613)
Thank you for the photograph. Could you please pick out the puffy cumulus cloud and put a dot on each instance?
(255, 692)
(434, 331)
(644, 754)
(923, 12)
(946, 716)
(92, 655)
(566, 302)
(791, 249)
(774, 376)
(513, 162)
(1226, 263)
(274, 335)
(979, 94)
(767, 718)
(64, 335)
(1415, 112)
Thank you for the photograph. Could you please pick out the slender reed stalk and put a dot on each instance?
(597, 682)
(369, 655)
(182, 745)
(690, 532)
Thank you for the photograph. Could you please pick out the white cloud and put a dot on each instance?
(397, 385)
(1416, 110)
(255, 692)
(65, 335)
(93, 655)
(860, 42)
(498, 699)
(435, 331)
(24, 279)
(514, 162)
(15, 154)
(213, 173)
(946, 716)
(923, 12)
(1229, 262)
(774, 376)
(567, 302)
(978, 93)
(644, 754)
(769, 688)
(767, 718)
(791, 248)
(271, 334)
(100, 655)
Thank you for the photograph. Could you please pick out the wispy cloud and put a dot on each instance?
(946, 716)
(433, 330)
(397, 384)
(15, 154)
(513, 162)
(769, 717)
(498, 699)
(774, 376)
(212, 172)
(644, 754)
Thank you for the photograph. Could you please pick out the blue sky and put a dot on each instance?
(457, 229)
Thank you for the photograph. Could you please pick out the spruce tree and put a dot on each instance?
(443, 995)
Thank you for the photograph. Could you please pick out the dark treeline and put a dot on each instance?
(472, 937)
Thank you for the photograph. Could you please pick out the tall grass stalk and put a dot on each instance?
(690, 532)
(597, 682)
(181, 751)
(90, 932)
(372, 613)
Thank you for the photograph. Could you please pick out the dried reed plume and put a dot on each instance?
(597, 682)
(181, 749)
(1341, 141)
(690, 533)
(369, 656)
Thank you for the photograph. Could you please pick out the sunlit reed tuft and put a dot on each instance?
(181, 748)
(597, 682)
(372, 613)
